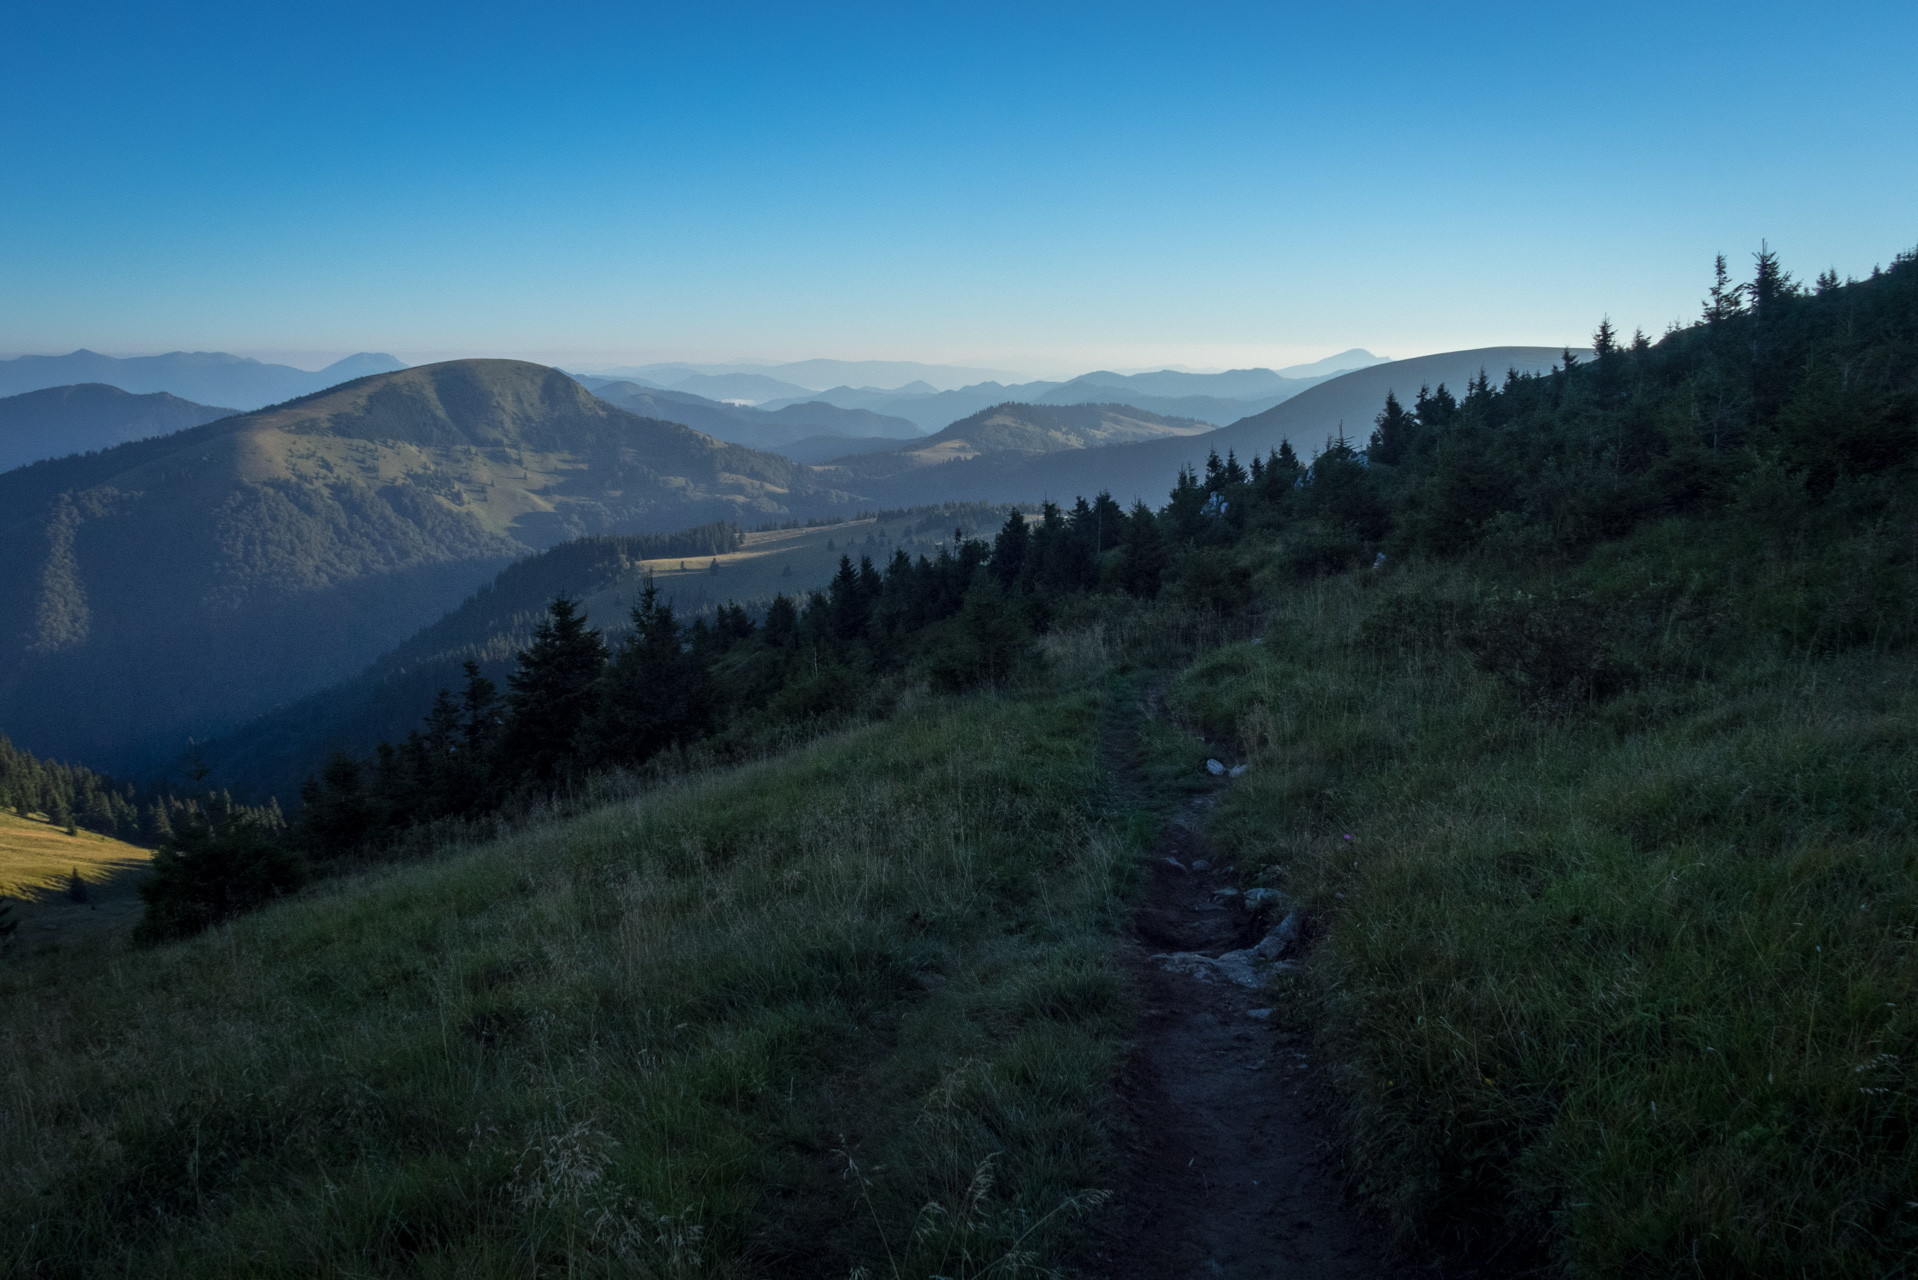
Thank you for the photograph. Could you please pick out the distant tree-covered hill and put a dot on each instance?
(755, 428)
(173, 585)
(699, 571)
(1138, 469)
(57, 421)
(1017, 429)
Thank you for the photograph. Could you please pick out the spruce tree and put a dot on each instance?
(552, 693)
(479, 710)
(214, 865)
(1142, 555)
(1009, 550)
(336, 813)
(648, 694)
(1725, 299)
(1392, 434)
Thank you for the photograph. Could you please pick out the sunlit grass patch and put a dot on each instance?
(37, 855)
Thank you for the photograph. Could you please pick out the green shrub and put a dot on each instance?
(213, 868)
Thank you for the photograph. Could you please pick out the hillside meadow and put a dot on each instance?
(855, 1006)
(36, 855)
(1623, 986)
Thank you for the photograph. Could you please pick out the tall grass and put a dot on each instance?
(1626, 985)
(851, 1008)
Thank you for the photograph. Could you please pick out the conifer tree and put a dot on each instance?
(1725, 299)
(1009, 550)
(216, 864)
(479, 710)
(1392, 434)
(1142, 555)
(782, 623)
(552, 693)
(1187, 507)
(648, 692)
(336, 813)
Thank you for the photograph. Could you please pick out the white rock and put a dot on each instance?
(1238, 770)
(1200, 864)
(1282, 937)
(1227, 892)
(1259, 897)
(1214, 768)
(1174, 862)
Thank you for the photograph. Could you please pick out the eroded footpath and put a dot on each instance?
(1229, 1172)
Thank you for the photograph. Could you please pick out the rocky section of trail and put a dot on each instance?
(1229, 1176)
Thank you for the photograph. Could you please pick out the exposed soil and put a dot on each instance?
(1229, 1174)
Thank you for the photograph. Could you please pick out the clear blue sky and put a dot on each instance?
(1036, 187)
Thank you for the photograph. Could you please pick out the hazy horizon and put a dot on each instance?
(598, 363)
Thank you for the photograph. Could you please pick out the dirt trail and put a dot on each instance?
(1228, 1176)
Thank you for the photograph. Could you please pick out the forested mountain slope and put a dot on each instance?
(168, 586)
(57, 421)
(700, 572)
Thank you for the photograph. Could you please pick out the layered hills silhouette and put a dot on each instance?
(754, 428)
(813, 375)
(1215, 398)
(1349, 402)
(208, 377)
(167, 586)
(1015, 428)
(183, 583)
(56, 421)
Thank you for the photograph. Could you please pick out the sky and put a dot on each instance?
(1032, 187)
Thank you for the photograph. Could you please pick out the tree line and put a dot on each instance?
(1781, 401)
(76, 798)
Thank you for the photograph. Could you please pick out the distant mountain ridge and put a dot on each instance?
(176, 584)
(811, 375)
(754, 428)
(1214, 398)
(56, 421)
(1022, 429)
(207, 377)
(1349, 401)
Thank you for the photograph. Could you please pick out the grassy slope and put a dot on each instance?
(1629, 985)
(791, 561)
(36, 855)
(671, 1027)
(1021, 428)
(1623, 987)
